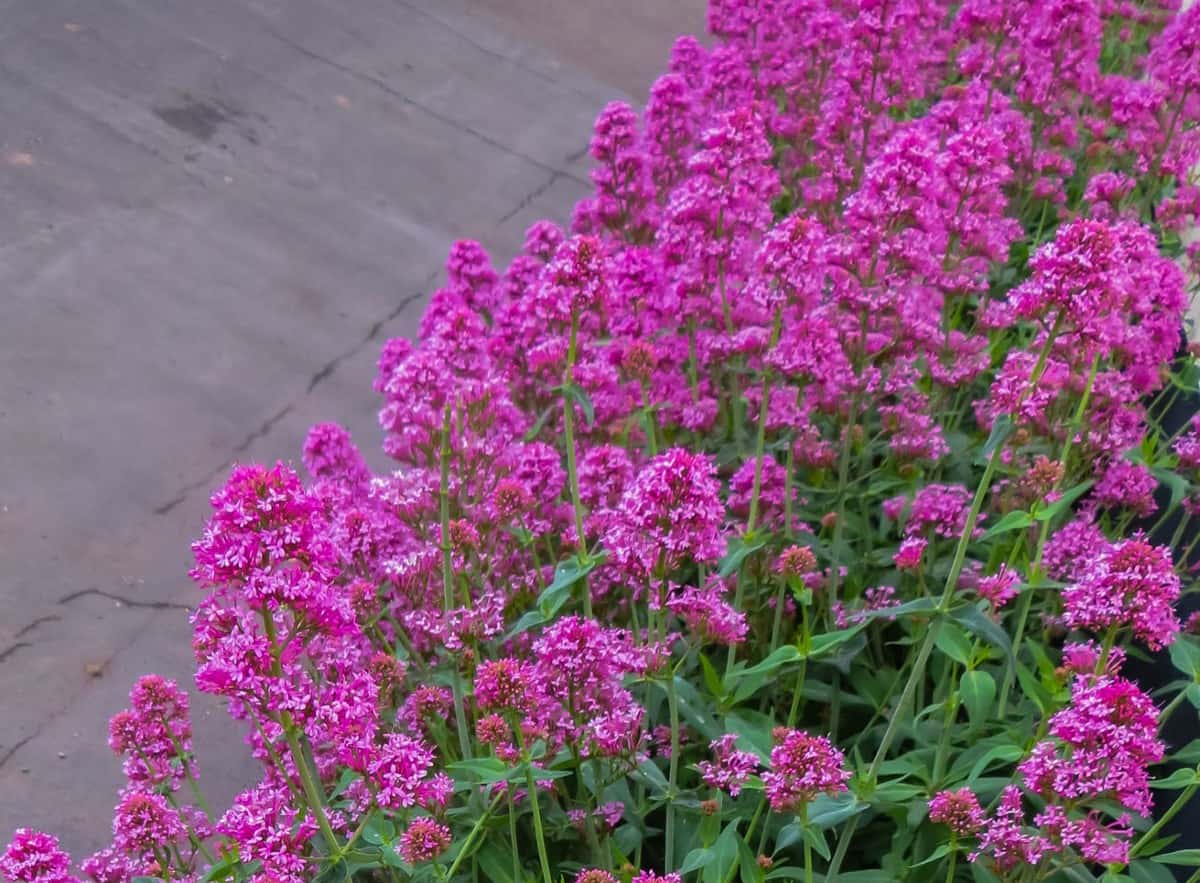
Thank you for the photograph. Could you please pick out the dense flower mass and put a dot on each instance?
(790, 514)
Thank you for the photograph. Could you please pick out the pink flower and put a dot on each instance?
(268, 829)
(144, 821)
(423, 841)
(708, 615)
(1101, 746)
(730, 768)
(803, 766)
(671, 512)
(34, 857)
(400, 769)
(1000, 587)
(1132, 583)
(908, 556)
(958, 810)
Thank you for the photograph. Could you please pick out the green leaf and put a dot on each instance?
(1005, 753)
(737, 549)
(909, 608)
(981, 625)
(1185, 655)
(780, 657)
(496, 864)
(954, 643)
(536, 429)
(576, 394)
(978, 691)
(712, 679)
(1016, 520)
(1002, 428)
(555, 596)
(697, 859)
(788, 835)
(1176, 482)
(1032, 687)
(725, 853)
(816, 839)
(1177, 781)
(479, 770)
(938, 853)
(1193, 694)
(1187, 857)
(819, 645)
(1068, 497)
(826, 811)
(1149, 872)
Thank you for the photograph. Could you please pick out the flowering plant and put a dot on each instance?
(801, 513)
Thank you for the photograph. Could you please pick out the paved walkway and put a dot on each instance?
(212, 216)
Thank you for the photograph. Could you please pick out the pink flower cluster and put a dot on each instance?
(868, 300)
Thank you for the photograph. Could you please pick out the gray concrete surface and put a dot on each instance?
(211, 215)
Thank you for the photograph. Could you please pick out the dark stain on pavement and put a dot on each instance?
(194, 117)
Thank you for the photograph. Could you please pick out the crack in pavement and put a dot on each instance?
(121, 599)
(515, 62)
(329, 367)
(7, 756)
(384, 86)
(13, 648)
(52, 617)
(320, 376)
(531, 196)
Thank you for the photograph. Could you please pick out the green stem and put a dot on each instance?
(922, 659)
(474, 832)
(761, 439)
(1173, 810)
(733, 868)
(943, 749)
(808, 863)
(672, 775)
(512, 835)
(1035, 569)
(315, 800)
(538, 832)
(460, 716)
(312, 795)
(572, 470)
(952, 864)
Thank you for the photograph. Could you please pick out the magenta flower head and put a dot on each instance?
(673, 508)
(34, 857)
(504, 684)
(802, 767)
(1132, 583)
(424, 841)
(573, 282)
(144, 821)
(329, 453)
(595, 875)
(708, 615)
(958, 810)
(651, 877)
(730, 768)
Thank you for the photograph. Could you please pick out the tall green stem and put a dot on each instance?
(1173, 810)
(672, 774)
(1035, 569)
(569, 440)
(460, 715)
(808, 863)
(312, 795)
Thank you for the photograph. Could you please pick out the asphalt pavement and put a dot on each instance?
(211, 217)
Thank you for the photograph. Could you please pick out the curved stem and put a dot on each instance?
(572, 469)
(672, 776)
